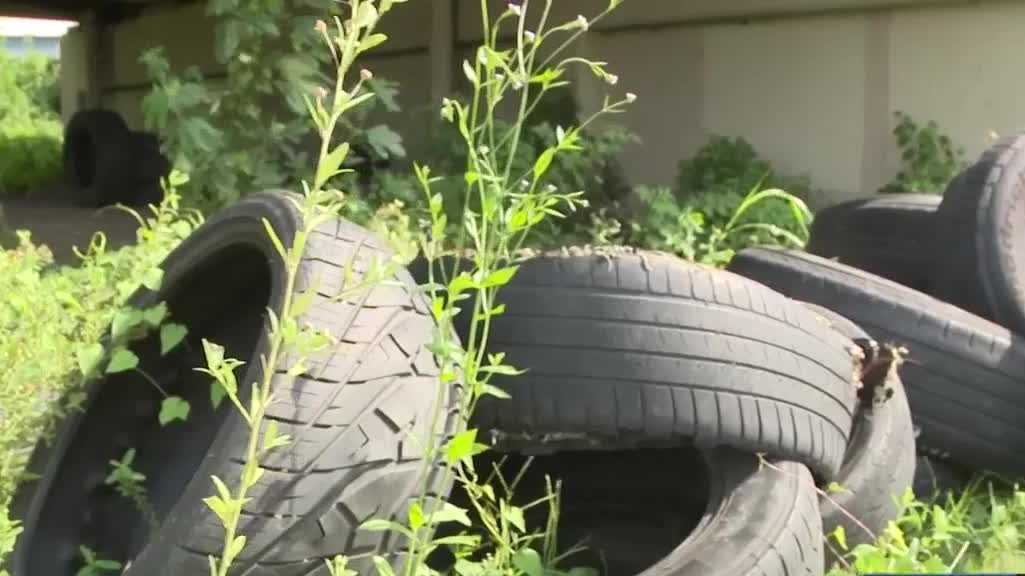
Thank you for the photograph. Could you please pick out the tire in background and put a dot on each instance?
(892, 236)
(150, 167)
(982, 237)
(631, 349)
(965, 376)
(350, 414)
(96, 157)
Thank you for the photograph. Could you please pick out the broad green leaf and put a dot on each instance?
(372, 41)
(218, 506)
(500, 277)
(89, 358)
(214, 354)
(154, 316)
(416, 516)
(170, 336)
(124, 322)
(236, 547)
(121, 360)
(451, 513)
(529, 562)
(385, 141)
(152, 278)
(462, 446)
(173, 408)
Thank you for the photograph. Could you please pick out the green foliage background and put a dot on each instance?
(30, 127)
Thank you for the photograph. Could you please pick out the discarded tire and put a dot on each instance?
(684, 512)
(149, 166)
(964, 374)
(638, 349)
(96, 147)
(982, 219)
(892, 236)
(880, 462)
(350, 414)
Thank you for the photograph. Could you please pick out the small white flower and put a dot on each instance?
(612, 79)
(529, 36)
(515, 8)
(631, 97)
(484, 150)
(366, 74)
(582, 22)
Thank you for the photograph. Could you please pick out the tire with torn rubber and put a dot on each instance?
(97, 153)
(630, 348)
(880, 462)
(964, 375)
(352, 415)
(892, 236)
(684, 512)
(982, 239)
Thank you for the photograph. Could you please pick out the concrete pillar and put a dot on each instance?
(75, 72)
(879, 154)
(442, 48)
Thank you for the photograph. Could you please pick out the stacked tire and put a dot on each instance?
(642, 364)
(943, 277)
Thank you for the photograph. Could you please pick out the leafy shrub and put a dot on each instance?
(47, 316)
(930, 159)
(982, 529)
(712, 232)
(30, 129)
(732, 165)
(30, 154)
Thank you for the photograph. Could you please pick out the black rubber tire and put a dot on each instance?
(965, 376)
(96, 150)
(678, 511)
(641, 349)
(150, 166)
(935, 477)
(892, 236)
(353, 415)
(982, 220)
(880, 462)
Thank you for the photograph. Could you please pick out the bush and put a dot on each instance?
(30, 128)
(930, 159)
(30, 154)
(47, 316)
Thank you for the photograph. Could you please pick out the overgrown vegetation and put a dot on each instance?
(30, 128)
(929, 158)
(982, 529)
(50, 317)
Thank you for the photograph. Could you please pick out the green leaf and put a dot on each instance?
(331, 164)
(89, 358)
(451, 513)
(152, 278)
(841, 537)
(124, 322)
(462, 446)
(386, 142)
(544, 161)
(416, 516)
(372, 41)
(214, 354)
(121, 360)
(500, 277)
(236, 548)
(170, 336)
(219, 507)
(529, 562)
(154, 316)
(514, 515)
(367, 15)
(173, 408)
(217, 393)
(383, 567)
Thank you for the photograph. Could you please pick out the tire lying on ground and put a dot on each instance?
(632, 348)
(96, 153)
(964, 375)
(682, 511)
(352, 415)
(149, 167)
(892, 236)
(880, 462)
(982, 220)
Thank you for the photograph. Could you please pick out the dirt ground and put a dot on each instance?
(55, 221)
